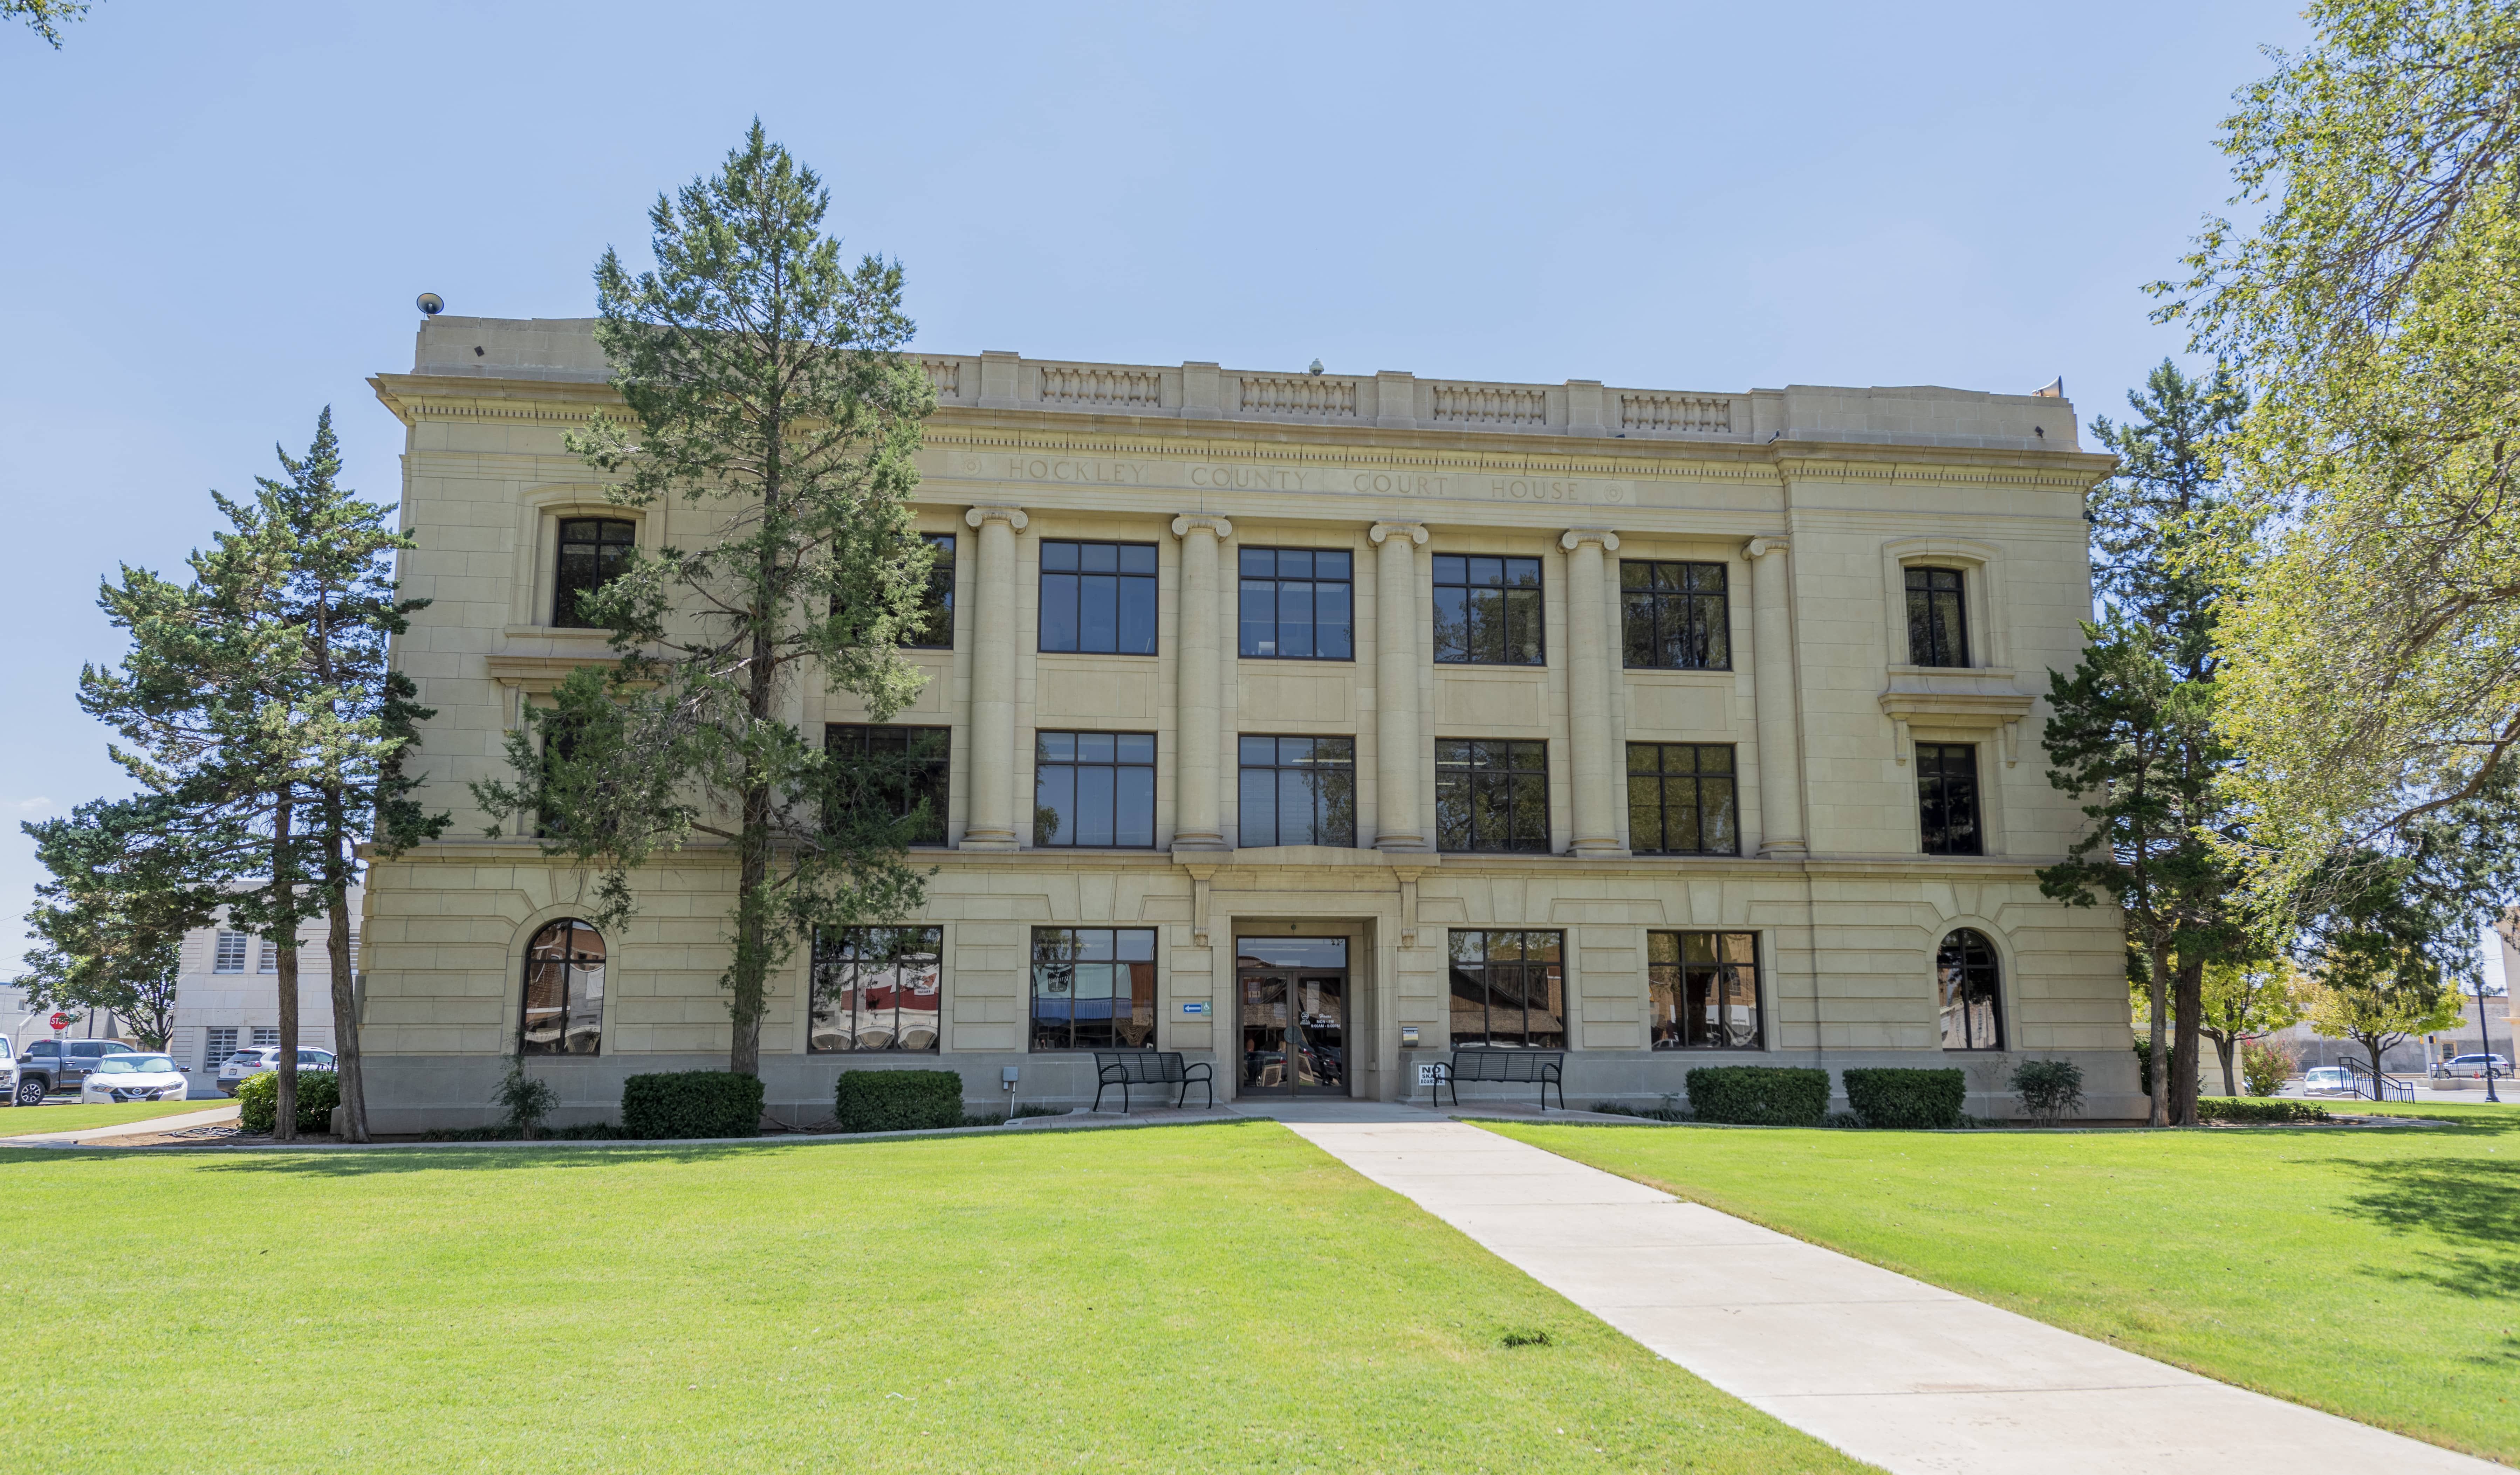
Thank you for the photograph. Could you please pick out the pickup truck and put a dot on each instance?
(7, 1072)
(51, 1065)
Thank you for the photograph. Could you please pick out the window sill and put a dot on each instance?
(1489, 665)
(1105, 654)
(1309, 660)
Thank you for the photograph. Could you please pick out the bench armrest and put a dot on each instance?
(1204, 1071)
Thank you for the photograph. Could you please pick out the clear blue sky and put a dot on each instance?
(216, 216)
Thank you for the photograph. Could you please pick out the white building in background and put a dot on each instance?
(228, 995)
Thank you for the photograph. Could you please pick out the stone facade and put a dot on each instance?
(1812, 501)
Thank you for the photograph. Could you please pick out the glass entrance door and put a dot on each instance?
(1294, 1015)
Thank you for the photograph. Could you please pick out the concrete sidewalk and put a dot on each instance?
(209, 1117)
(1892, 1370)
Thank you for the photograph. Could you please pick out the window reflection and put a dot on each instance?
(877, 988)
(563, 1008)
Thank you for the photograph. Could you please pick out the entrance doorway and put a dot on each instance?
(1294, 1015)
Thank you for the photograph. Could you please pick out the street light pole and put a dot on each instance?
(2485, 1033)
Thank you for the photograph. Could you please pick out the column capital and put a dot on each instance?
(1187, 522)
(1012, 516)
(1414, 532)
(1576, 537)
(1760, 547)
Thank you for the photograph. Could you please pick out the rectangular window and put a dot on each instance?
(1490, 795)
(354, 954)
(893, 773)
(1704, 989)
(1509, 990)
(935, 630)
(266, 1036)
(1093, 789)
(1937, 618)
(877, 988)
(1947, 797)
(1681, 800)
(1675, 616)
(269, 963)
(591, 551)
(1298, 792)
(1487, 610)
(1097, 596)
(216, 1046)
(1297, 604)
(1093, 988)
(228, 957)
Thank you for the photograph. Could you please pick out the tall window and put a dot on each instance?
(1490, 795)
(887, 773)
(1704, 989)
(877, 988)
(591, 549)
(1937, 618)
(1673, 616)
(1093, 988)
(1487, 610)
(1681, 800)
(935, 630)
(1298, 605)
(216, 1046)
(228, 957)
(1298, 792)
(1947, 797)
(1097, 596)
(564, 1013)
(1967, 976)
(1509, 990)
(1093, 789)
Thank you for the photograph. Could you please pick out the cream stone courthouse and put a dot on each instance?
(1314, 725)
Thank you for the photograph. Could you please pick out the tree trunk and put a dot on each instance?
(2183, 1052)
(2158, 958)
(345, 1013)
(2227, 1046)
(284, 884)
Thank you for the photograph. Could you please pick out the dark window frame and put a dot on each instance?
(1969, 977)
(1136, 594)
(1122, 789)
(923, 775)
(939, 601)
(1474, 780)
(1660, 779)
(860, 953)
(1937, 616)
(1950, 815)
(1688, 625)
(1057, 955)
(1678, 987)
(1277, 577)
(1514, 602)
(1484, 973)
(571, 960)
(568, 586)
(1329, 777)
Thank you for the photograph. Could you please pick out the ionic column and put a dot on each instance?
(1396, 618)
(1781, 790)
(992, 822)
(1197, 817)
(1588, 689)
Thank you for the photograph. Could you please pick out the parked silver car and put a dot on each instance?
(256, 1059)
(2473, 1065)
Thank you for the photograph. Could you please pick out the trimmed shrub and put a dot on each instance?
(898, 1101)
(1758, 1095)
(2050, 1089)
(1907, 1098)
(258, 1101)
(2243, 1109)
(691, 1103)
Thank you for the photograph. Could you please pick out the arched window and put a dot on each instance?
(1966, 975)
(564, 1013)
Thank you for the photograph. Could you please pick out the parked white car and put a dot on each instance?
(2327, 1081)
(259, 1058)
(8, 1071)
(134, 1078)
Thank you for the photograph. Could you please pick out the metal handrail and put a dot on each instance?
(2363, 1081)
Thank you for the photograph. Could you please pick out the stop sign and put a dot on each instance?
(61, 1022)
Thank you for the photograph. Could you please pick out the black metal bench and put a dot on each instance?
(1157, 1067)
(1542, 1067)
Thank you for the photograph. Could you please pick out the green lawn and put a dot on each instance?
(1204, 1298)
(23, 1121)
(2372, 1273)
